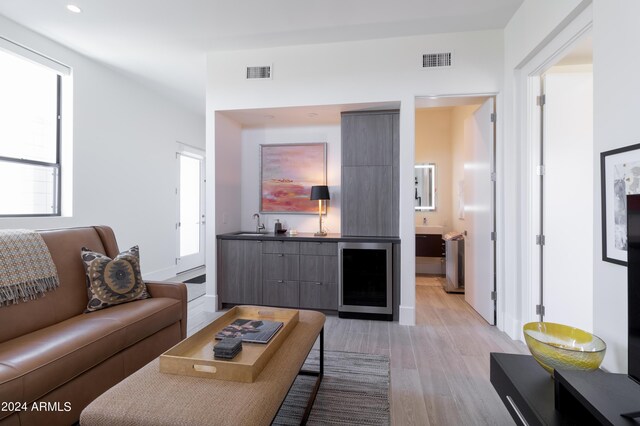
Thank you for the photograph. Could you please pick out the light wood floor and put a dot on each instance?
(439, 368)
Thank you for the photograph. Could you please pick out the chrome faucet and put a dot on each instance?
(259, 226)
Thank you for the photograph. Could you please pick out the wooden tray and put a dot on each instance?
(194, 355)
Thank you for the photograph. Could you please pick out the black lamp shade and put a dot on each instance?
(320, 192)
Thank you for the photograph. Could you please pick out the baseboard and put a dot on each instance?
(210, 302)
(160, 275)
(513, 327)
(407, 315)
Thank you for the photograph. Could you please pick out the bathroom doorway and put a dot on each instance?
(455, 200)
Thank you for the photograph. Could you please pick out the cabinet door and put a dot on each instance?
(280, 293)
(429, 245)
(319, 248)
(319, 268)
(286, 247)
(280, 267)
(318, 282)
(240, 272)
(367, 139)
(367, 201)
(318, 295)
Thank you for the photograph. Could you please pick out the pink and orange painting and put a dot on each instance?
(287, 175)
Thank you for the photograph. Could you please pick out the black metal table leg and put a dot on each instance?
(318, 374)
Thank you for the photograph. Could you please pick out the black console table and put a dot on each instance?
(532, 397)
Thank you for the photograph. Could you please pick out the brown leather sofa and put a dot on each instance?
(55, 359)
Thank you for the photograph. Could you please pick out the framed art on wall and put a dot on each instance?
(287, 173)
(619, 177)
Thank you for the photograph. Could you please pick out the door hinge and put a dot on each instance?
(177, 259)
(494, 295)
(540, 310)
(176, 191)
(493, 176)
(540, 170)
(493, 117)
(493, 236)
(540, 240)
(541, 100)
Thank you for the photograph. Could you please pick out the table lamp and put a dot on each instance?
(320, 192)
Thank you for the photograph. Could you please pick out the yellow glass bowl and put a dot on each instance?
(563, 347)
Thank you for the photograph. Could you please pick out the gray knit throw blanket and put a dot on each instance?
(26, 268)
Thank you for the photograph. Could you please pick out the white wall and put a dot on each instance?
(616, 108)
(615, 34)
(228, 171)
(251, 141)
(355, 72)
(530, 30)
(124, 165)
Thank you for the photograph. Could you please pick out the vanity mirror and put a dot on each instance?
(425, 187)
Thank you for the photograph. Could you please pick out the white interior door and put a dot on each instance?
(568, 196)
(191, 213)
(479, 211)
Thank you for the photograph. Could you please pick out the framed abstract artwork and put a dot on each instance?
(619, 177)
(287, 173)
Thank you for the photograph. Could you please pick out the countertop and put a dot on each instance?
(305, 236)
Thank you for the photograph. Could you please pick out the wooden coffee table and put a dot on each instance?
(149, 397)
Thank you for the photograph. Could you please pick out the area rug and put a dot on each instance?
(354, 391)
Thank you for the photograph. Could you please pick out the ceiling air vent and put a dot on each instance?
(437, 60)
(259, 73)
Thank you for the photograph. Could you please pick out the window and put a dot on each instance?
(30, 117)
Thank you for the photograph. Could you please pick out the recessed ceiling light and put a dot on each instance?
(73, 8)
(312, 114)
(269, 116)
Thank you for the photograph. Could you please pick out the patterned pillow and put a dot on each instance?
(113, 281)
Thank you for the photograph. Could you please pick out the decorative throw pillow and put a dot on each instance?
(113, 281)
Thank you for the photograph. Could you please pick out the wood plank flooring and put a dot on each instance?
(439, 368)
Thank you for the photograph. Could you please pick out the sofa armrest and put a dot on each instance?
(173, 291)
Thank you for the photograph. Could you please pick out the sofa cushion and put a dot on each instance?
(113, 281)
(142, 318)
(36, 363)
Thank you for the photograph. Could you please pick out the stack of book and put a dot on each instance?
(227, 348)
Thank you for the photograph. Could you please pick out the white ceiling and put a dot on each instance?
(164, 42)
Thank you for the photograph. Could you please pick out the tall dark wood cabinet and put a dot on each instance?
(240, 271)
(370, 170)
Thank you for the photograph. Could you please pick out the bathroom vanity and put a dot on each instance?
(430, 249)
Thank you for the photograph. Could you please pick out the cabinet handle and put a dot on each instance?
(318, 283)
(280, 281)
(517, 410)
